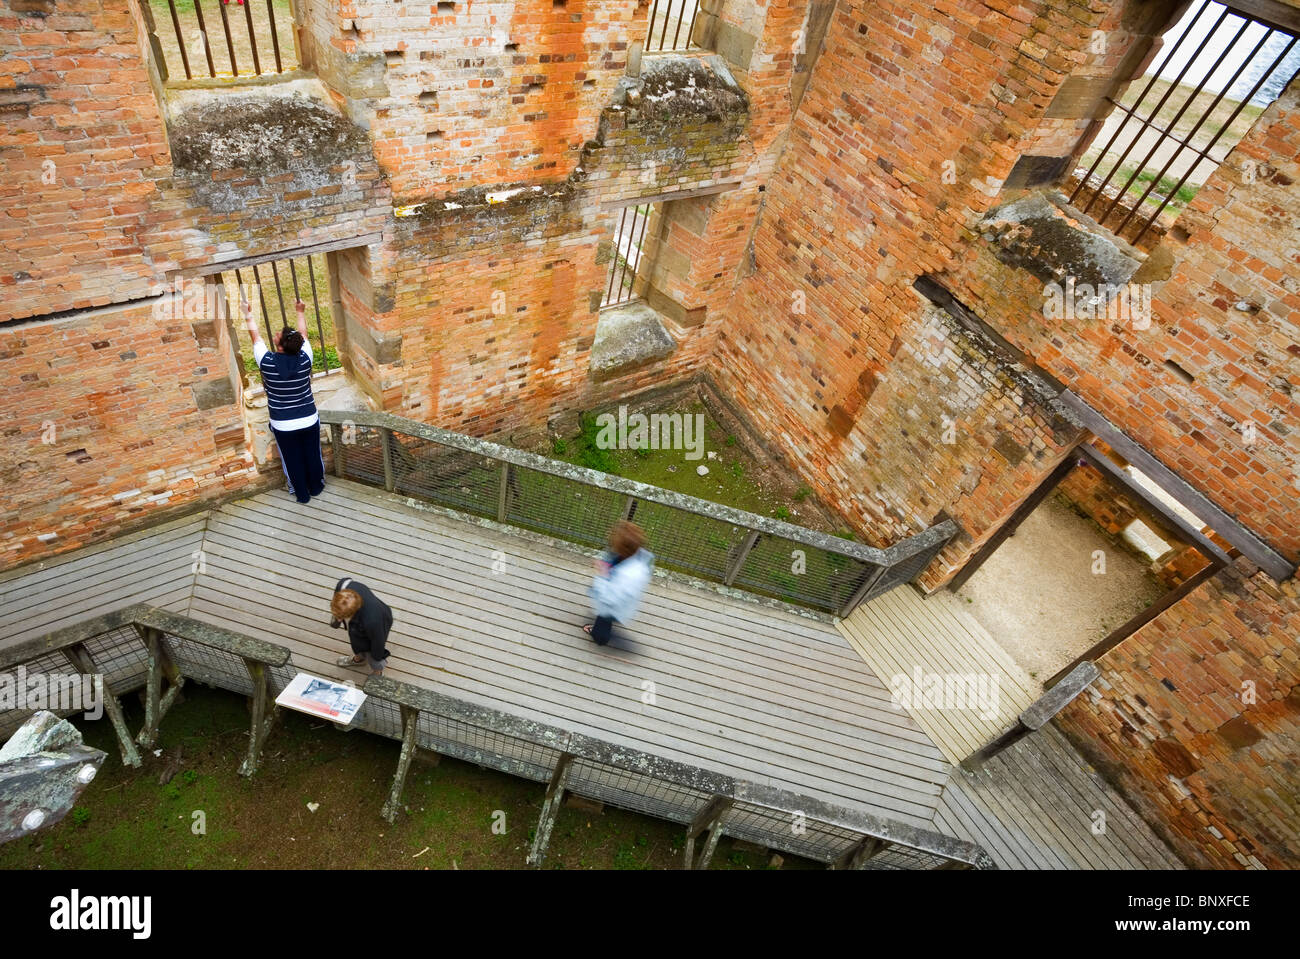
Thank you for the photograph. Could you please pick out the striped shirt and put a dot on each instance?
(287, 380)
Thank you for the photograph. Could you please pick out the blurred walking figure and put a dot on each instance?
(286, 375)
(622, 575)
(368, 620)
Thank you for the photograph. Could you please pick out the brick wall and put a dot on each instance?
(113, 418)
(1197, 717)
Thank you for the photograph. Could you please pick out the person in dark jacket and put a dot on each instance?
(368, 620)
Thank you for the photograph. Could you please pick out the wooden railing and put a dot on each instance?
(715, 542)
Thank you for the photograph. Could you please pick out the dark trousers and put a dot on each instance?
(602, 629)
(301, 458)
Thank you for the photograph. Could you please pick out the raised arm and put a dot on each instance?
(250, 322)
(301, 307)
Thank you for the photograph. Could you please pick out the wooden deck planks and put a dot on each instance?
(741, 688)
(899, 632)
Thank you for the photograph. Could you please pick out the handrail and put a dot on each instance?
(929, 539)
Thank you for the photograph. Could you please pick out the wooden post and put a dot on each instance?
(739, 561)
(629, 508)
(410, 723)
(503, 495)
(710, 818)
(82, 661)
(162, 665)
(261, 723)
(336, 443)
(868, 583)
(856, 858)
(550, 810)
(386, 437)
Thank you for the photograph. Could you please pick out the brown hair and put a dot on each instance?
(626, 538)
(291, 341)
(345, 604)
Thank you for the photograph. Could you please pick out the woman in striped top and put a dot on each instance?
(286, 375)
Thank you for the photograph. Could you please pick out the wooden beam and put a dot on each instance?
(1273, 13)
(1251, 546)
(84, 663)
(707, 818)
(366, 239)
(550, 810)
(856, 858)
(410, 725)
(263, 717)
(722, 187)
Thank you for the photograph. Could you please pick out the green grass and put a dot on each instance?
(127, 819)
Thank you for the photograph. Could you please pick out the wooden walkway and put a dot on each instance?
(902, 634)
(494, 617)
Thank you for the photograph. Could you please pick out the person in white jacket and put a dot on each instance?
(622, 575)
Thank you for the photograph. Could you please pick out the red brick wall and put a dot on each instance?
(1217, 775)
(113, 417)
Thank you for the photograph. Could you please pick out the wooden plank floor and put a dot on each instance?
(1038, 805)
(901, 633)
(495, 618)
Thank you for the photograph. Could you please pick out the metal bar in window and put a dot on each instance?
(180, 40)
(266, 317)
(320, 329)
(1227, 124)
(1173, 124)
(680, 20)
(645, 219)
(275, 39)
(230, 44)
(1155, 75)
(1172, 137)
(1205, 115)
(203, 34)
(690, 32)
(613, 267)
(664, 32)
(650, 32)
(252, 37)
(279, 292)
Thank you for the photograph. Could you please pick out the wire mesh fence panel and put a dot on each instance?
(121, 657)
(487, 747)
(379, 717)
(905, 857)
(789, 831)
(689, 542)
(57, 672)
(465, 481)
(635, 791)
(207, 664)
(363, 452)
(562, 507)
(793, 571)
(903, 572)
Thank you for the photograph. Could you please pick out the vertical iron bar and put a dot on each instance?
(180, 40)
(1144, 124)
(1172, 125)
(266, 316)
(279, 293)
(613, 267)
(1137, 104)
(252, 38)
(664, 32)
(203, 32)
(315, 305)
(690, 32)
(681, 18)
(230, 44)
(275, 40)
(650, 32)
(1227, 124)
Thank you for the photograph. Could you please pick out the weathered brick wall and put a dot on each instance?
(883, 172)
(113, 417)
(81, 144)
(1225, 308)
(1197, 716)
